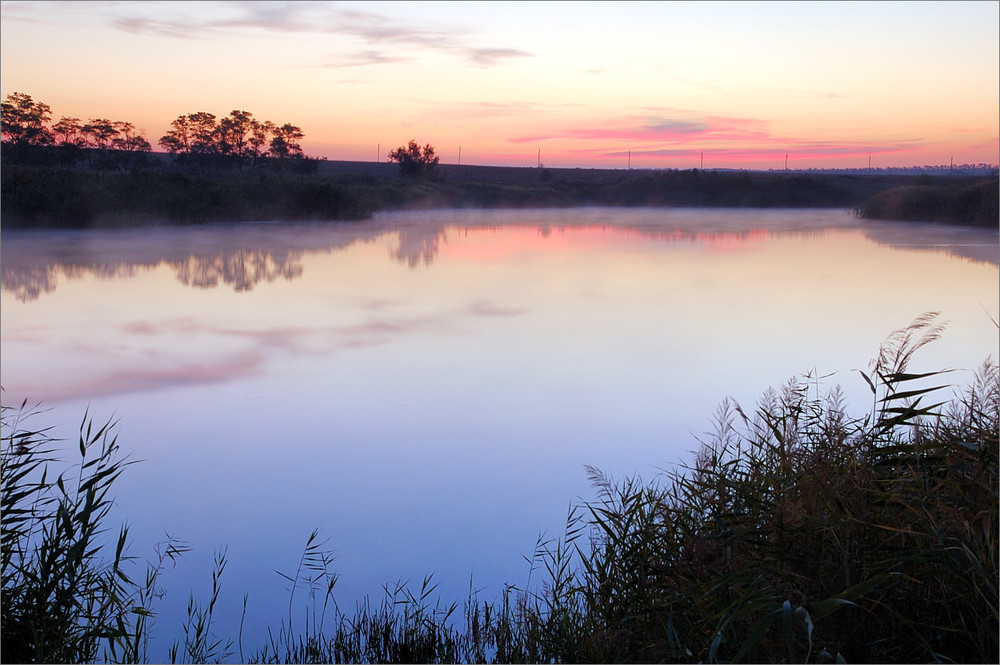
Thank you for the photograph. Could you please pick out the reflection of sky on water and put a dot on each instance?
(425, 388)
(34, 263)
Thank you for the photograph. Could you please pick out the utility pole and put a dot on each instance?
(539, 163)
(459, 155)
(378, 152)
(786, 161)
(702, 161)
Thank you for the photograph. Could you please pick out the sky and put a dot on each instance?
(562, 84)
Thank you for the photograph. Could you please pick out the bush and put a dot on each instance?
(964, 202)
(80, 199)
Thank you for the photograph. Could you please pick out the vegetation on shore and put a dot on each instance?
(237, 168)
(799, 533)
(966, 202)
(54, 196)
(70, 198)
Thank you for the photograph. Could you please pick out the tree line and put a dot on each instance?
(29, 135)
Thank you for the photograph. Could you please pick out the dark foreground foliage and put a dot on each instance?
(967, 202)
(799, 533)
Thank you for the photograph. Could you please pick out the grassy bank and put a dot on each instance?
(967, 202)
(37, 196)
(44, 197)
(799, 533)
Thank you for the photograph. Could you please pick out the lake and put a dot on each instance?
(426, 388)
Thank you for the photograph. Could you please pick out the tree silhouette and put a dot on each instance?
(237, 136)
(203, 133)
(259, 131)
(285, 143)
(234, 132)
(414, 160)
(100, 132)
(68, 131)
(129, 139)
(23, 121)
(199, 138)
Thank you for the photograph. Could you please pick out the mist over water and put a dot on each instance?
(426, 388)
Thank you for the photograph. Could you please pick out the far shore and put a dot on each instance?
(157, 191)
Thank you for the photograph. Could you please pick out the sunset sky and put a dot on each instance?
(590, 84)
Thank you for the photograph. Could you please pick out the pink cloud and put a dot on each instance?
(768, 150)
(668, 129)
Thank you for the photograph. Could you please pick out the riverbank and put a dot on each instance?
(964, 203)
(35, 196)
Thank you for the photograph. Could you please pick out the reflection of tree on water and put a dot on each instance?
(239, 256)
(243, 269)
(29, 284)
(973, 244)
(418, 245)
(244, 256)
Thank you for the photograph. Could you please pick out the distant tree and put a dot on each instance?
(128, 139)
(285, 143)
(100, 133)
(68, 131)
(177, 140)
(237, 136)
(192, 134)
(234, 132)
(414, 160)
(23, 121)
(203, 133)
(258, 138)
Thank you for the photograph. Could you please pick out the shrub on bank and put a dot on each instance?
(201, 191)
(969, 203)
(42, 197)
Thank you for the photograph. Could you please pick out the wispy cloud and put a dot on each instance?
(661, 130)
(361, 59)
(768, 150)
(671, 133)
(489, 56)
(383, 39)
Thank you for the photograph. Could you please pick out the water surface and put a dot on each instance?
(426, 388)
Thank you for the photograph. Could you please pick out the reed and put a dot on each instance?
(67, 596)
(967, 202)
(798, 533)
(158, 193)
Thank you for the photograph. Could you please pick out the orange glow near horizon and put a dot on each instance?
(607, 85)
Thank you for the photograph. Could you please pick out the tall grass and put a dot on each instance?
(44, 197)
(799, 533)
(67, 597)
(968, 202)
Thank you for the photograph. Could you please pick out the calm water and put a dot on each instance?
(426, 388)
